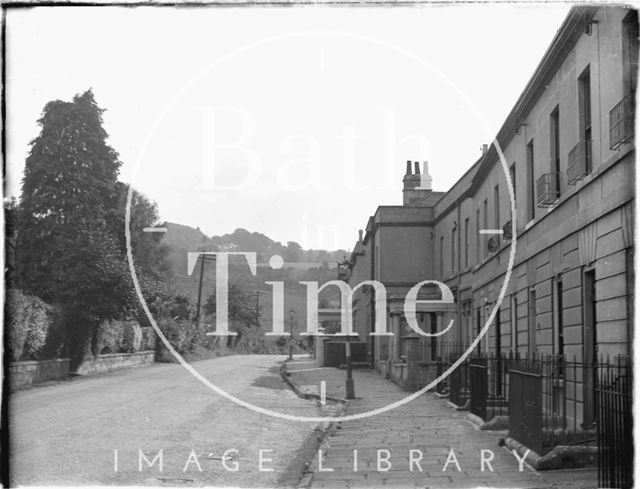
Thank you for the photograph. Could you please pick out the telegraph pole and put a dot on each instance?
(258, 294)
(203, 258)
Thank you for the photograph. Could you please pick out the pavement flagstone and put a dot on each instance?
(425, 443)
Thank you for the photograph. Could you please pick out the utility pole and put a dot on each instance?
(258, 294)
(203, 258)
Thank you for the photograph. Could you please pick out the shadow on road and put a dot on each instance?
(271, 381)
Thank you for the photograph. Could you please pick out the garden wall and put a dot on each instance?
(23, 374)
(115, 361)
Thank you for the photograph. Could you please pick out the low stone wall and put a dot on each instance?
(24, 374)
(115, 361)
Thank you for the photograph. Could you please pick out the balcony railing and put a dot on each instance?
(621, 121)
(493, 244)
(579, 162)
(548, 189)
(507, 231)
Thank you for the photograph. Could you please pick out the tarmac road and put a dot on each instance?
(67, 433)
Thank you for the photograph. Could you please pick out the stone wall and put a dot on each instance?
(24, 374)
(115, 361)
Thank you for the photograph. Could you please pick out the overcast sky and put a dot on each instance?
(294, 122)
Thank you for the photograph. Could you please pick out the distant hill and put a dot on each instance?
(183, 238)
(300, 265)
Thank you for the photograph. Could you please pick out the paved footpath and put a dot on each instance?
(428, 430)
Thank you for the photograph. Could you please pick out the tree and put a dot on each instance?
(67, 253)
(241, 304)
(293, 253)
(243, 311)
(150, 253)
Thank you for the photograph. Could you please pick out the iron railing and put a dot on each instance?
(493, 244)
(548, 189)
(507, 231)
(579, 162)
(551, 401)
(614, 394)
(478, 388)
(621, 122)
(459, 385)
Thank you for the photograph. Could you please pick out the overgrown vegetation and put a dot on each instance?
(28, 323)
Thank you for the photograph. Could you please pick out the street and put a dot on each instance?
(68, 433)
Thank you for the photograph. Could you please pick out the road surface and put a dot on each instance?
(68, 433)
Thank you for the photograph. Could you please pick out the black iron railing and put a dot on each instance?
(478, 386)
(621, 122)
(548, 189)
(525, 405)
(459, 385)
(579, 162)
(551, 401)
(507, 231)
(493, 244)
(614, 394)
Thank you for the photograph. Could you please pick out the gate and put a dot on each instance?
(525, 407)
(615, 427)
(458, 385)
(478, 385)
(335, 353)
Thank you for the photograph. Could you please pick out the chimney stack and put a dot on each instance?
(360, 235)
(425, 178)
(417, 185)
(485, 148)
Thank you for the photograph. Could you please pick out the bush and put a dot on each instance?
(182, 334)
(28, 322)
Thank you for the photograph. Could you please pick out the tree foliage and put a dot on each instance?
(70, 237)
(242, 306)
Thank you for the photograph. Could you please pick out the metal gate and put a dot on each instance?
(525, 407)
(615, 427)
(458, 385)
(478, 387)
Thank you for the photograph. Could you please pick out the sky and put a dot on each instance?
(293, 122)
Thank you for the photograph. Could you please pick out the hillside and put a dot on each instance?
(183, 239)
(300, 265)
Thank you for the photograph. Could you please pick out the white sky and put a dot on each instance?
(295, 100)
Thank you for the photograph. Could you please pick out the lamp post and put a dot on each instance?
(291, 313)
(343, 274)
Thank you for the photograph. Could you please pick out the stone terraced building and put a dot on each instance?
(568, 144)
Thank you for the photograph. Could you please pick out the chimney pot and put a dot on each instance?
(408, 172)
(417, 168)
(359, 234)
